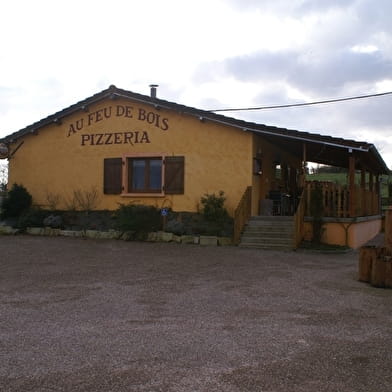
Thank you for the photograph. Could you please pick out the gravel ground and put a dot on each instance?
(85, 315)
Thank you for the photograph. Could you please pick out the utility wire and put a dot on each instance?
(301, 104)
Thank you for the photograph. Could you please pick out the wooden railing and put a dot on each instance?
(336, 200)
(242, 214)
(299, 221)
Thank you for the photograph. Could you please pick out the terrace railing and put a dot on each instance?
(242, 214)
(336, 200)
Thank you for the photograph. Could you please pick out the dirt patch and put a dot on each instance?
(88, 315)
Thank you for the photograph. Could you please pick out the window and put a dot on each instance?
(144, 175)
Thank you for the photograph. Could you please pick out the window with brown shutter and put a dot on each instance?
(174, 175)
(112, 177)
(144, 175)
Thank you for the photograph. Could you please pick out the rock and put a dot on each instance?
(175, 227)
(167, 237)
(9, 230)
(177, 238)
(54, 221)
(187, 239)
(152, 237)
(35, 230)
(93, 234)
(225, 241)
(72, 233)
(208, 240)
(51, 232)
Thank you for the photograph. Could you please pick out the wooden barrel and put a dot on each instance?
(388, 272)
(378, 272)
(366, 256)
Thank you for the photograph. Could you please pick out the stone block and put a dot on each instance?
(177, 238)
(167, 237)
(8, 230)
(207, 240)
(72, 233)
(225, 241)
(187, 239)
(35, 230)
(152, 237)
(51, 232)
(93, 234)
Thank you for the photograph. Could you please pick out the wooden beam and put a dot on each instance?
(363, 191)
(351, 182)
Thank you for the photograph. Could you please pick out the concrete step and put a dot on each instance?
(266, 240)
(271, 232)
(269, 229)
(266, 246)
(274, 218)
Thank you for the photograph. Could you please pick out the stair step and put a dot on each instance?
(265, 229)
(274, 218)
(266, 241)
(266, 247)
(268, 232)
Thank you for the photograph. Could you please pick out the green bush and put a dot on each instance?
(138, 219)
(34, 217)
(213, 207)
(17, 202)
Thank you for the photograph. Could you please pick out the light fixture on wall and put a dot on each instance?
(257, 164)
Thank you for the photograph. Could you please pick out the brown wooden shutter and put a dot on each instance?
(112, 176)
(174, 175)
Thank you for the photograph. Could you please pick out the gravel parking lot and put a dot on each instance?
(85, 315)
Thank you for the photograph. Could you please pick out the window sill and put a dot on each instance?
(158, 194)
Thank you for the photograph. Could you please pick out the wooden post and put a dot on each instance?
(363, 192)
(351, 181)
(377, 202)
(388, 229)
(303, 169)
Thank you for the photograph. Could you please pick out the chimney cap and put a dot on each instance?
(153, 90)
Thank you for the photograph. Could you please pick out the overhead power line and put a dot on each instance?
(301, 104)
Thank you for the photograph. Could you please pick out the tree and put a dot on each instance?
(3, 175)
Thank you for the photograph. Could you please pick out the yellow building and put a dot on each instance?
(128, 147)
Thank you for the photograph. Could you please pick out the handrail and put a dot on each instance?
(242, 214)
(299, 221)
(336, 200)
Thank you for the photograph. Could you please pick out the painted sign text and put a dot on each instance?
(99, 139)
(125, 111)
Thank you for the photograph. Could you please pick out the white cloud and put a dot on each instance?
(205, 53)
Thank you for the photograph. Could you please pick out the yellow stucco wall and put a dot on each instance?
(357, 233)
(63, 158)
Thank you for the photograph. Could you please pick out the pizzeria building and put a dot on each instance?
(143, 149)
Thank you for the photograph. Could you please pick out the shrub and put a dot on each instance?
(33, 217)
(17, 202)
(83, 200)
(139, 219)
(213, 208)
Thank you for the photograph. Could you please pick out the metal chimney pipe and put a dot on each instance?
(153, 90)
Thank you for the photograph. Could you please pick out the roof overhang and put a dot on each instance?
(319, 148)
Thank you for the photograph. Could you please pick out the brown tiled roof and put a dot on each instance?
(319, 148)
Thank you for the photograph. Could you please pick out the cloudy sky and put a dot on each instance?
(207, 54)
